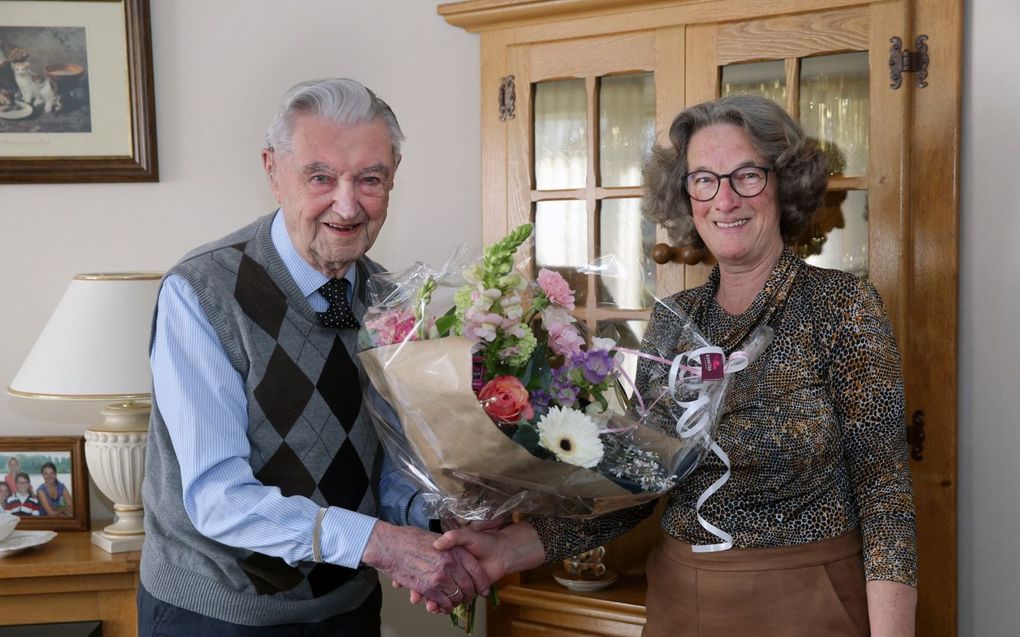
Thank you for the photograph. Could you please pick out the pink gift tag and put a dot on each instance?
(711, 366)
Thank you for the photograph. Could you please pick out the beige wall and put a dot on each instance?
(220, 66)
(989, 434)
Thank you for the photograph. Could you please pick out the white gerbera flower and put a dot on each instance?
(572, 436)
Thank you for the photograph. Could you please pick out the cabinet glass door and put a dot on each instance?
(588, 118)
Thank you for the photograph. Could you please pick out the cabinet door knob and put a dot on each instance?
(663, 253)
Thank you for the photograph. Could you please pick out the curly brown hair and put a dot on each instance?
(799, 165)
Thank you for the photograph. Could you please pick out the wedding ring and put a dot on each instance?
(453, 594)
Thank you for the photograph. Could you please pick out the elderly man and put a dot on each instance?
(264, 476)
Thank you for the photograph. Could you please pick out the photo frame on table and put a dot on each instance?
(77, 102)
(30, 456)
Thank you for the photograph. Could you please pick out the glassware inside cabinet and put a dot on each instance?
(838, 236)
(834, 109)
(767, 79)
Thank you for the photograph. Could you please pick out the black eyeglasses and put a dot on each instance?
(748, 181)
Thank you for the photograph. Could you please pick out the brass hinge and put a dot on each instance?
(507, 97)
(905, 61)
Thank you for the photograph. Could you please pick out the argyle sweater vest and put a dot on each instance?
(308, 435)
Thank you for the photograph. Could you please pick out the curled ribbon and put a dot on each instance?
(696, 418)
(688, 372)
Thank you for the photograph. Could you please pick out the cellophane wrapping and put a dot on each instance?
(492, 401)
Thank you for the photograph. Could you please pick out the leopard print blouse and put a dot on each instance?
(813, 428)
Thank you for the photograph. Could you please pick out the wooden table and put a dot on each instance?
(68, 579)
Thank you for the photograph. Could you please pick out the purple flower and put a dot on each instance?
(540, 400)
(567, 396)
(564, 391)
(597, 366)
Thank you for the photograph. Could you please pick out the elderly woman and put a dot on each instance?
(819, 502)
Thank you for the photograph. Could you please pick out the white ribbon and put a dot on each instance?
(727, 539)
(696, 418)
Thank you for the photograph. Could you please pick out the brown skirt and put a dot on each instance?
(808, 590)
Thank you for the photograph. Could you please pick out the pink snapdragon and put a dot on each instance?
(556, 288)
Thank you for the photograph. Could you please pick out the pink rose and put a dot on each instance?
(564, 339)
(505, 399)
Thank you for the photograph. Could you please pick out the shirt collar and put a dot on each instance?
(308, 279)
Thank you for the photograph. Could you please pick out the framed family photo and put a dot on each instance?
(43, 481)
(77, 102)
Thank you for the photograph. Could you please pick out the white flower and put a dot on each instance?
(572, 436)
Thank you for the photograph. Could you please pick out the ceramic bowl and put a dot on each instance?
(7, 523)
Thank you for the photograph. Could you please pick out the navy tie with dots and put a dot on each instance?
(339, 313)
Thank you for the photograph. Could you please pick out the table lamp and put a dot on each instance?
(96, 347)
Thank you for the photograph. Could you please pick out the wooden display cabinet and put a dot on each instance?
(877, 81)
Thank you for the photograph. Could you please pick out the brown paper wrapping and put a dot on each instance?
(428, 383)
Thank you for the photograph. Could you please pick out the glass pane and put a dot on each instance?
(767, 79)
(834, 108)
(626, 274)
(561, 128)
(626, 334)
(561, 242)
(838, 238)
(626, 127)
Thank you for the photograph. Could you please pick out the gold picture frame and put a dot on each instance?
(77, 102)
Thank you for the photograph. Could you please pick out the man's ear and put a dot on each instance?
(269, 165)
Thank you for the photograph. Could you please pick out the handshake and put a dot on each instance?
(452, 569)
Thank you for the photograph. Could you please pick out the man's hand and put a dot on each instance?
(407, 555)
(511, 549)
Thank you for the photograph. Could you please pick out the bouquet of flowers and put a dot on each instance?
(502, 405)
(493, 401)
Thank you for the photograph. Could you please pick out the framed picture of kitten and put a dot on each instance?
(76, 92)
(43, 481)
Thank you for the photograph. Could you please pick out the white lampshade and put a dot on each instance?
(96, 347)
(96, 344)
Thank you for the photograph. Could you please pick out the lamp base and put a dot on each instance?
(115, 453)
(117, 543)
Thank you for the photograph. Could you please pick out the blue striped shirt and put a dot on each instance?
(203, 402)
